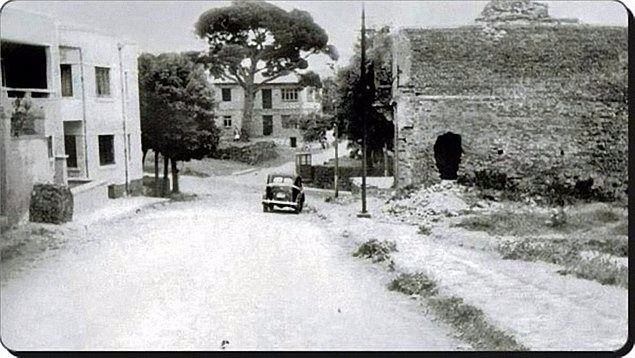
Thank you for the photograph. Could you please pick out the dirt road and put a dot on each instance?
(190, 275)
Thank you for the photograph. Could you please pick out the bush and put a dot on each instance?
(376, 250)
(414, 284)
(424, 230)
(51, 203)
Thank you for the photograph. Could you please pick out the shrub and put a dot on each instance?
(376, 250)
(424, 230)
(51, 203)
(414, 284)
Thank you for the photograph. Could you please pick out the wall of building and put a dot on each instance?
(26, 157)
(116, 114)
(529, 101)
(234, 108)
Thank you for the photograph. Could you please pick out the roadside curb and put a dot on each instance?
(247, 171)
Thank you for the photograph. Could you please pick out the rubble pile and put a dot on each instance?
(428, 203)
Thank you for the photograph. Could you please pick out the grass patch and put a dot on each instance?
(567, 253)
(472, 326)
(620, 229)
(469, 322)
(375, 250)
(507, 222)
(600, 269)
(552, 251)
(616, 246)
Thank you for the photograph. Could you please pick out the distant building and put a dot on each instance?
(84, 130)
(278, 107)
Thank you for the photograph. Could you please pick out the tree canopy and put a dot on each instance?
(176, 105)
(351, 100)
(250, 38)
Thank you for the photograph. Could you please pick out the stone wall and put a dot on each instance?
(250, 153)
(323, 176)
(532, 101)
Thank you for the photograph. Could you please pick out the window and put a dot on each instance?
(266, 98)
(227, 121)
(227, 94)
(106, 149)
(49, 145)
(67, 80)
(102, 76)
(289, 94)
(282, 180)
(288, 122)
(23, 66)
(70, 148)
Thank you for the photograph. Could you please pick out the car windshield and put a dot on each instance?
(282, 180)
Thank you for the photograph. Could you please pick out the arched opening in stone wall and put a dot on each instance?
(447, 155)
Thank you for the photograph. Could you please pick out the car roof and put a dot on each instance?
(285, 175)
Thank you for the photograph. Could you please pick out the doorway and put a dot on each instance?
(267, 125)
(447, 155)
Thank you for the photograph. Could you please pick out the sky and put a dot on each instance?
(167, 26)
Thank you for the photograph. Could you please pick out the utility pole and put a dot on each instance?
(337, 161)
(362, 80)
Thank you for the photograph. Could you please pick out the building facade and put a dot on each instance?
(530, 97)
(79, 90)
(277, 110)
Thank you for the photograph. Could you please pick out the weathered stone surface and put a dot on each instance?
(514, 10)
(543, 104)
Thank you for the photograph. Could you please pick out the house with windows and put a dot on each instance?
(69, 110)
(278, 107)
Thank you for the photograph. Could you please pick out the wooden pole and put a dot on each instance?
(337, 166)
(363, 113)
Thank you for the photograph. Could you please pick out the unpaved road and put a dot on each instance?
(189, 275)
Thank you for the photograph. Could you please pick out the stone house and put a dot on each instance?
(529, 96)
(83, 129)
(277, 109)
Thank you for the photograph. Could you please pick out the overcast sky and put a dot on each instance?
(167, 26)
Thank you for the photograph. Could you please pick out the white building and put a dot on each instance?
(84, 92)
(278, 107)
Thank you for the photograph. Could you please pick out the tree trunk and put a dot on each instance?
(385, 152)
(143, 158)
(157, 183)
(248, 112)
(166, 185)
(175, 177)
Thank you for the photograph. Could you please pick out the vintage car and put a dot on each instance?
(283, 191)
